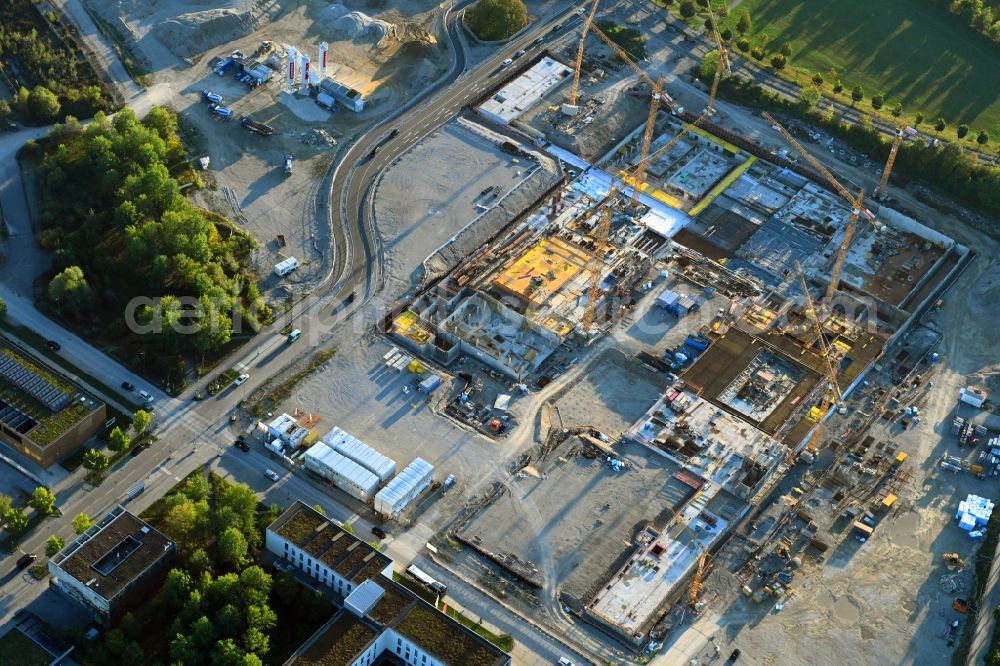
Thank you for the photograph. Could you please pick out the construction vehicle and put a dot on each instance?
(902, 132)
(856, 201)
(221, 111)
(256, 127)
(209, 96)
(953, 561)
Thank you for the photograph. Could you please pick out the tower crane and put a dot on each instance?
(857, 206)
(723, 65)
(665, 99)
(813, 315)
(901, 133)
(579, 57)
(639, 174)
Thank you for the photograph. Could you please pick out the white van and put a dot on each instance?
(145, 395)
(294, 335)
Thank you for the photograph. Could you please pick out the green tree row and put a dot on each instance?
(493, 20)
(981, 17)
(944, 167)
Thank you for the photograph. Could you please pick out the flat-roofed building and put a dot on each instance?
(525, 91)
(113, 566)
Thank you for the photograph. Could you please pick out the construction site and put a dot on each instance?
(719, 335)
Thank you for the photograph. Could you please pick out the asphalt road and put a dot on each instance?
(192, 433)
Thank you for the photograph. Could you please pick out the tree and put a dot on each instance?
(858, 93)
(919, 118)
(118, 440)
(786, 49)
(319, 509)
(16, 521)
(897, 109)
(71, 290)
(199, 561)
(743, 44)
(255, 585)
(53, 545)
(708, 66)
(3, 309)
(141, 420)
(983, 138)
(687, 9)
(757, 53)
(838, 87)
(95, 460)
(702, 3)
(256, 641)
(177, 587)
(726, 34)
(493, 20)
(744, 24)
(778, 61)
(962, 131)
(877, 102)
(810, 96)
(6, 502)
(81, 523)
(43, 105)
(43, 500)
(232, 547)
(818, 79)
(939, 125)
(180, 520)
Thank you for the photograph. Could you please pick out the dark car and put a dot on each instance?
(557, 27)
(25, 560)
(379, 532)
(139, 449)
(128, 386)
(374, 152)
(394, 133)
(519, 54)
(53, 345)
(734, 656)
(242, 446)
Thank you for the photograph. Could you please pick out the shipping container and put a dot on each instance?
(343, 472)
(430, 384)
(403, 489)
(351, 447)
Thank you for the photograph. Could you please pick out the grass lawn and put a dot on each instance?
(911, 52)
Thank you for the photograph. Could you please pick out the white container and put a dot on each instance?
(403, 489)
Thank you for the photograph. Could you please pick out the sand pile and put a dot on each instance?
(195, 32)
(358, 26)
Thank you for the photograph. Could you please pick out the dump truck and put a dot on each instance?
(256, 127)
(221, 111)
(209, 96)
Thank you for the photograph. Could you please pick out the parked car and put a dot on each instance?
(26, 560)
(242, 446)
(294, 335)
(734, 655)
(128, 386)
(379, 532)
(242, 378)
(271, 474)
(139, 449)
(53, 345)
(147, 396)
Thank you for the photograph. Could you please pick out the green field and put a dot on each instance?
(911, 52)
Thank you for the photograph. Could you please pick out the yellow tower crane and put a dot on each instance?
(639, 175)
(901, 133)
(574, 89)
(857, 206)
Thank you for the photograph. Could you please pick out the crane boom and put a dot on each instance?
(623, 54)
(809, 158)
(579, 54)
(596, 262)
